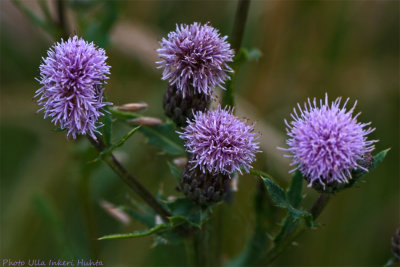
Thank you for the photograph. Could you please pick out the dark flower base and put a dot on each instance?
(204, 189)
(180, 109)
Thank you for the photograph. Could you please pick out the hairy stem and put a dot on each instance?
(131, 181)
(315, 210)
(237, 37)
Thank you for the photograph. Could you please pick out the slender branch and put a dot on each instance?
(62, 22)
(240, 23)
(237, 37)
(319, 205)
(131, 181)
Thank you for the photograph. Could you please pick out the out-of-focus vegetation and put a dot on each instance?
(345, 48)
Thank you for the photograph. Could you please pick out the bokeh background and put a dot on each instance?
(51, 193)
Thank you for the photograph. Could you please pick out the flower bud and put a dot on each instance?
(132, 107)
(204, 188)
(150, 121)
(180, 109)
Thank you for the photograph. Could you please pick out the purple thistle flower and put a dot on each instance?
(326, 143)
(194, 58)
(72, 77)
(219, 142)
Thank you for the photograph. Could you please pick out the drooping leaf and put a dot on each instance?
(156, 229)
(164, 137)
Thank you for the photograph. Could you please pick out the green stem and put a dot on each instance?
(315, 210)
(190, 251)
(131, 181)
(62, 21)
(237, 37)
(240, 23)
(201, 245)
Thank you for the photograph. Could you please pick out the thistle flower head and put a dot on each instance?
(72, 77)
(326, 142)
(194, 58)
(219, 142)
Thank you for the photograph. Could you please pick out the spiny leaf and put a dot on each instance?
(156, 229)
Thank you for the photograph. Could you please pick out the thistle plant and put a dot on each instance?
(328, 147)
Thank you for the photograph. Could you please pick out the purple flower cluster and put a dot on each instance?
(72, 77)
(194, 59)
(219, 142)
(326, 141)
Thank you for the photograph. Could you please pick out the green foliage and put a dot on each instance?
(293, 193)
(97, 26)
(37, 20)
(164, 137)
(378, 158)
(282, 200)
(186, 210)
(120, 142)
(154, 230)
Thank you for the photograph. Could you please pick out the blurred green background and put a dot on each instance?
(345, 48)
